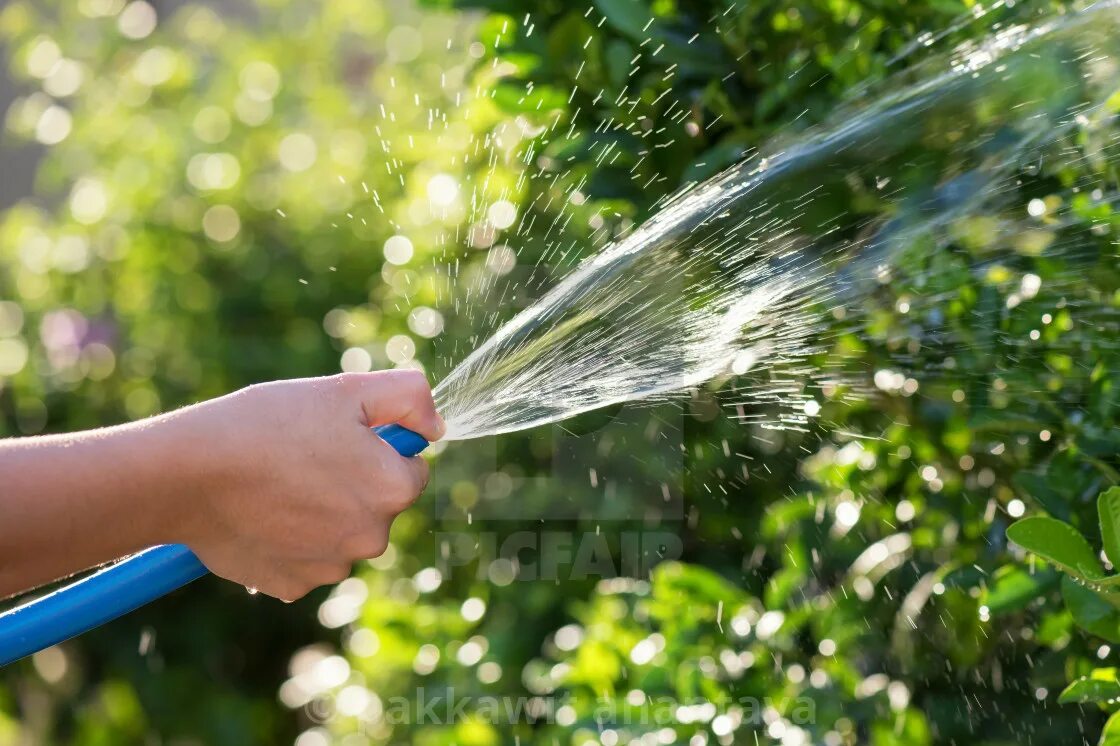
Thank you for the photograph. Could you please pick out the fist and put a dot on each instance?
(296, 487)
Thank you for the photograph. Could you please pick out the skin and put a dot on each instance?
(279, 487)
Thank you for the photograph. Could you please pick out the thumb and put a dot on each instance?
(399, 397)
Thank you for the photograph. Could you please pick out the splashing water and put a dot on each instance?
(744, 270)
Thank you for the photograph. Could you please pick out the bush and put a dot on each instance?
(844, 580)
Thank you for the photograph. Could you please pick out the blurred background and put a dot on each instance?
(198, 196)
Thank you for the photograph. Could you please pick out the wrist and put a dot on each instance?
(141, 483)
(189, 464)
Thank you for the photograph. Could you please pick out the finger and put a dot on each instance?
(319, 574)
(399, 485)
(370, 542)
(399, 397)
(418, 471)
(279, 580)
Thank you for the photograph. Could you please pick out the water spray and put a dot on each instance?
(739, 272)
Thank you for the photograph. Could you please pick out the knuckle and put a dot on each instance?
(411, 375)
(251, 396)
(414, 381)
(348, 382)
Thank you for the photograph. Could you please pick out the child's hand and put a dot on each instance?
(293, 486)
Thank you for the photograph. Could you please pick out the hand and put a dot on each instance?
(293, 487)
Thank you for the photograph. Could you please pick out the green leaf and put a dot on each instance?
(1099, 444)
(1110, 736)
(518, 97)
(631, 17)
(496, 32)
(1000, 420)
(619, 54)
(1099, 686)
(1108, 508)
(784, 515)
(1091, 611)
(575, 42)
(1059, 544)
(783, 584)
(1013, 588)
(1038, 487)
(715, 159)
(696, 583)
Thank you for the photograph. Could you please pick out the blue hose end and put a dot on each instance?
(404, 441)
(92, 601)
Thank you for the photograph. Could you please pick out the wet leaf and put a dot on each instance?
(1099, 686)
(1091, 611)
(1108, 508)
(1058, 543)
(1110, 736)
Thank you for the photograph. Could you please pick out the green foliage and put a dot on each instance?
(1100, 686)
(1064, 547)
(1089, 595)
(844, 580)
(1110, 736)
(1108, 508)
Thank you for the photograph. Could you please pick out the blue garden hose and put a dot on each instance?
(124, 586)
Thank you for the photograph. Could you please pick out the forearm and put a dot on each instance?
(74, 501)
